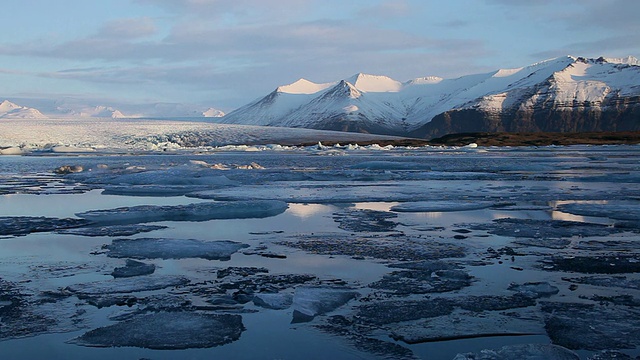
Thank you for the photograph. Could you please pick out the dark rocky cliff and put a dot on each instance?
(615, 114)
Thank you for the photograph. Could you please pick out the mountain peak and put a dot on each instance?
(628, 60)
(211, 112)
(374, 83)
(425, 80)
(303, 86)
(7, 106)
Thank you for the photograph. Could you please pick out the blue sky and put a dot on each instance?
(226, 53)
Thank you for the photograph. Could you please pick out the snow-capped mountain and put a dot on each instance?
(13, 111)
(563, 94)
(82, 108)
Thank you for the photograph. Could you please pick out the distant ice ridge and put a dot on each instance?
(21, 136)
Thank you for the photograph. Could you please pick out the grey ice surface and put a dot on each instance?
(160, 248)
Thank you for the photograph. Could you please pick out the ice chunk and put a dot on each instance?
(113, 230)
(166, 331)
(365, 220)
(13, 150)
(133, 268)
(545, 229)
(592, 326)
(612, 211)
(23, 225)
(535, 289)
(309, 302)
(68, 169)
(179, 175)
(465, 325)
(523, 352)
(151, 248)
(152, 190)
(127, 285)
(440, 206)
(276, 301)
(409, 282)
(192, 212)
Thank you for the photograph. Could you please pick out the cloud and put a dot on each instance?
(240, 9)
(131, 28)
(386, 9)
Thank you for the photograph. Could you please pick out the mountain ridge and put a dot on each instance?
(561, 94)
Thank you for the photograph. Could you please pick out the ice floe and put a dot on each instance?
(23, 225)
(133, 268)
(309, 302)
(112, 230)
(545, 229)
(127, 285)
(613, 211)
(440, 206)
(276, 301)
(592, 326)
(391, 165)
(192, 212)
(522, 352)
(153, 248)
(167, 331)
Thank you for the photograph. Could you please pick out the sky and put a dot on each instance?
(226, 53)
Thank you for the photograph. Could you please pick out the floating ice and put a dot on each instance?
(592, 326)
(133, 268)
(612, 211)
(409, 282)
(179, 175)
(151, 248)
(325, 194)
(152, 190)
(545, 229)
(440, 206)
(392, 165)
(608, 281)
(522, 352)
(365, 220)
(192, 212)
(127, 285)
(382, 247)
(276, 301)
(465, 325)
(112, 230)
(167, 331)
(23, 225)
(614, 264)
(309, 302)
(13, 150)
(535, 289)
